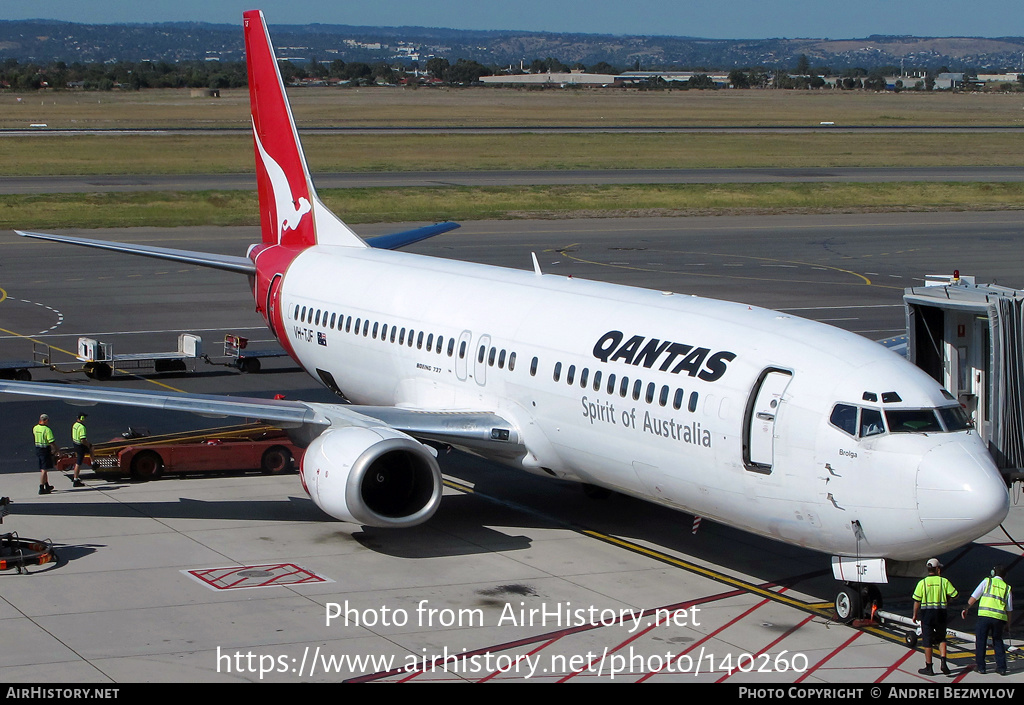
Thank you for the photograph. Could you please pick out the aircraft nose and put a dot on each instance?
(960, 493)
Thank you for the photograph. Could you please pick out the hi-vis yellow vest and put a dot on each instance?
(43, 435)
(934, 592)
(993, 600)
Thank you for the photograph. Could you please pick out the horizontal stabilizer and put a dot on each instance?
(228, 263)
(408, 237)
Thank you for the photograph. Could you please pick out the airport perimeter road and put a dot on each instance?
(240, 578)
(247, 182)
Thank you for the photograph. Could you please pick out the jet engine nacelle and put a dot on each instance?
(372, 476)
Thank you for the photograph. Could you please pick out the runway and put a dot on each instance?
(516, 577)
(247, 182)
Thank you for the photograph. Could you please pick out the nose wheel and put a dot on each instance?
(856, 601)
(848, 605)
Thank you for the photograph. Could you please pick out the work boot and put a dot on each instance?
(944, 668)
(45, 489)
(78, 483)
(927, 670)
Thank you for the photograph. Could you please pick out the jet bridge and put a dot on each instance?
(970, 337)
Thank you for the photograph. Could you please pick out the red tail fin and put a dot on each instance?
(291, 214)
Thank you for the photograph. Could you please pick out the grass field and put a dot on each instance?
(208, 152)
(490, 107)
(461, 203)
(205, 154)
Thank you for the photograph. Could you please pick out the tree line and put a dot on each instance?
(128, 75)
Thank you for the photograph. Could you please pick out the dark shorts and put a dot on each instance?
(45, 457)
(933, 627)
(80, 452)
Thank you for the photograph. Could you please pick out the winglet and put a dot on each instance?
(291, 213)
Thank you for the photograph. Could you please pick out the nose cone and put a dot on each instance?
(960, 493)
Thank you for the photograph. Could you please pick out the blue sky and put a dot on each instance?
(724, 19)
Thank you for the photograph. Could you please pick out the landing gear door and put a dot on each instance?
(766, 401)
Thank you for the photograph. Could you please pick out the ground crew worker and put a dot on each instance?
(931, 597)
(46, 451)
(995, 603)
(82, 446)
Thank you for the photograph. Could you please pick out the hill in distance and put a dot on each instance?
(43, 41)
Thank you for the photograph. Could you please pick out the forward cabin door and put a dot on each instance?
(760, 431)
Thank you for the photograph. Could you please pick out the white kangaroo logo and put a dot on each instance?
(289, 211)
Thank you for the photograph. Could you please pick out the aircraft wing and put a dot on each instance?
(230, 263)
(473, 430)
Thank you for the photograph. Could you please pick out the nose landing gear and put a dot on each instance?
(857, 601)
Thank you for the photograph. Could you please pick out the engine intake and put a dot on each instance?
(372, 476)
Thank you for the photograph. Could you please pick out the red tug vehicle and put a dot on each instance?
(144, 457)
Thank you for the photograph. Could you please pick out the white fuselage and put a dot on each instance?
(718, 409)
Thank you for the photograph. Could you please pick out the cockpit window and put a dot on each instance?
(844, 417)
(862, 422)
(912, 421)
(871, 422)
(954, 418)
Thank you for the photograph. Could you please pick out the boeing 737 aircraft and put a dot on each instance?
(782, 427)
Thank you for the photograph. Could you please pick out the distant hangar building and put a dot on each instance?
(578, 78)
(574, 78)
